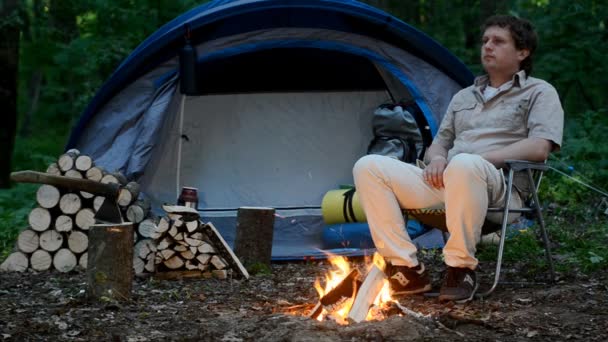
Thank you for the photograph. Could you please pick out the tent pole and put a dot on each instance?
(179, 146)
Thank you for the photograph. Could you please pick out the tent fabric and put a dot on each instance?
(287, 93)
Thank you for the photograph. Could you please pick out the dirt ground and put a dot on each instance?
(273, 307)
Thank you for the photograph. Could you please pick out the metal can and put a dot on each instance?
(188, 197)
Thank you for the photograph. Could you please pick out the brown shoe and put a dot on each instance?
(459, 285)
(408, 280)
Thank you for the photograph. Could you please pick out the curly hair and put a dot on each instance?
(522, 32)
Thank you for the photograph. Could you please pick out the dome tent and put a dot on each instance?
(283, 107)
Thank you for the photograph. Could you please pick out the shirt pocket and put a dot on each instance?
(464, 116)
(513, 114)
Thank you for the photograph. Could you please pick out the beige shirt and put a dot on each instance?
(521, 108)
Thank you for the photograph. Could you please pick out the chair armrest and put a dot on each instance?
(519, 165)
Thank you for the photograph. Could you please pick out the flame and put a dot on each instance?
(341, 269)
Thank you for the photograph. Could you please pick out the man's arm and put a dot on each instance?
(530, 149)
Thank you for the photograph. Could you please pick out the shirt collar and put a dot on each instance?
(519, 80)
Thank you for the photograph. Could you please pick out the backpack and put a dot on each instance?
(397, 132)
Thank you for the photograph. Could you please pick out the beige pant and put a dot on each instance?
(472, 184)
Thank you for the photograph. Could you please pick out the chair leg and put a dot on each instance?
(543, 230)
(503, 237)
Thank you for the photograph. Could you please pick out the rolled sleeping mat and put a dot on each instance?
(342, 206)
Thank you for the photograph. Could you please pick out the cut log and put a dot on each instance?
(53, 169)
(110, 263)
(63, 223)
(371, 287)
(64, 260)
(150, 265)
(178, 275)
(191, 226)
(82, 261)
(180, 248)
(70, 203)
(73, 174)
(143, 248)
(163, 225)
(345, 289)
(206, 248)
(83, 163)
(224, 250)
(28, 241)
(16, 262)
(174, 262)
(47, 196)
(41, 260)
(39, 219)
(167, 253)
(66, 160)
(179, 237)
(51, 240)
(173, 231)
(128, 194)
(193, 242)
(202, 267)
(114, 177)
(138, 211)
(187, 255)
(78, 242)
(190, 214)
(254, 231)
(139, 265)
(147, 228)
(95, 173)
(85, 218)
(220, 274)
(203, 258)
(190, 265)
(163, 244)
(218, 262)
(97, 202)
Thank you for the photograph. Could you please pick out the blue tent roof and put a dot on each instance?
(222, 18)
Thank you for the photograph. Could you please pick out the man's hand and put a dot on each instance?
(433, 173)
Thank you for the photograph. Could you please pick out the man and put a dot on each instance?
(506, 114)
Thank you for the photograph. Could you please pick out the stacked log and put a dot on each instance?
(57, 236)
(183, 243)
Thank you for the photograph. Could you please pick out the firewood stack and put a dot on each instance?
(57, 236)
(181, 242)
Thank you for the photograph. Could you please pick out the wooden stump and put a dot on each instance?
(110, 262)
(254, 230)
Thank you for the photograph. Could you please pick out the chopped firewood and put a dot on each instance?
(150, 265)
(180, 248)
(179, 237)
(158, 259)
(28, 241)
(138, 264)
(47, 196)
(167, 253)
(70, 203)
(206, 248)
(78, 242)
(203, 259)
(190, 214)
(224, 250)
(163, 225)
(51, 240)
(83, 163)
(203, 267)
(371, 287)
(191, 226)
(16, 262)
(174, 262)
(178, 222)
(39, 219)
(218, 262)
(207, 275)
(85, 218)
(188, 255)
(147, 228)
(41, 260)
(193, 242)
(194, 250)
(63, 223)
(138, 210)
(128, 194)
(144, 247)
(163, 244)
(173, 231)
(86, 195)
(182, 242)
(197, 236)
(64, 260)
(191, 265)
(115, 178)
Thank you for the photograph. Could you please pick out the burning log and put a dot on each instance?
(371, 287)
(346, 288)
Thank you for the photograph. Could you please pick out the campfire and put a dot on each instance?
(349, 295)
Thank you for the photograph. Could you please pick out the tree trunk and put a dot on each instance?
(110, 263)
(9, 64)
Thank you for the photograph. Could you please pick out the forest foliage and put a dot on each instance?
(68, 48)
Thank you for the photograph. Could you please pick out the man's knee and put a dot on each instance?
(367, 164)
(464, 165)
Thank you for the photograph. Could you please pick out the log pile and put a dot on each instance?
(181, 244)
(57, 236)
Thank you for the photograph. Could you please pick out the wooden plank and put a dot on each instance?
(224, 250)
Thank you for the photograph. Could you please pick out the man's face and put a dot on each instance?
(498, 52)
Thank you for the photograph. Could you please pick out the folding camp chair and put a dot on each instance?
(436, 217)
